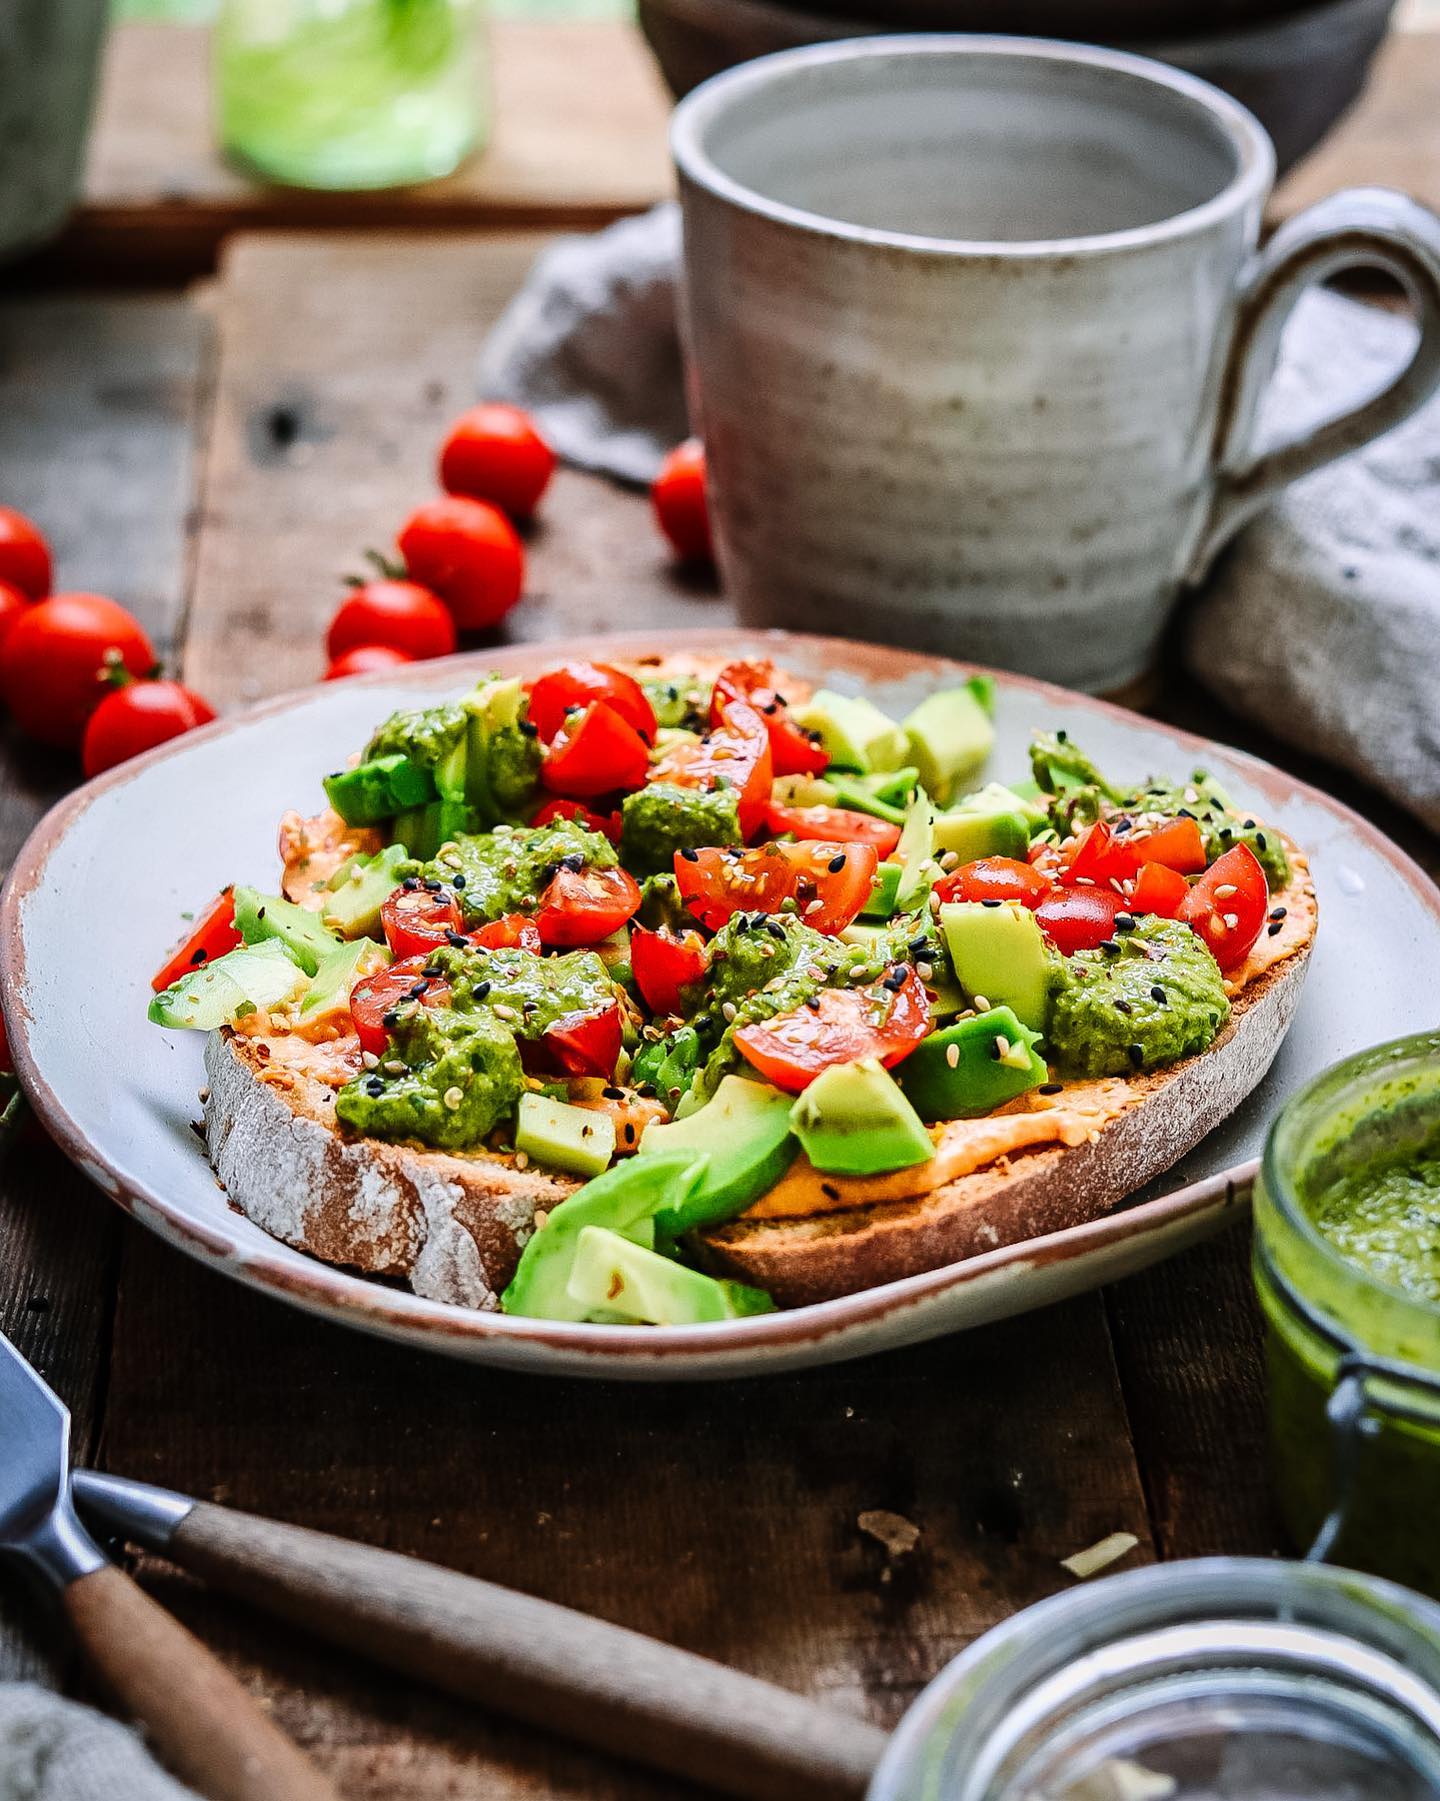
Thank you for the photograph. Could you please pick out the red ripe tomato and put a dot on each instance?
(1178, 844)
(828, 883)
(55, 659)
(418, 920)
(663, 963)
(736, 753)
(365, 659)
(512, 932)
(1077, 919)
(24, 555)
(833, 825)
(1158, 890)
(586, 1044)
(13, 602)
(1101, 857)
(793, 750)
(847, 1024)
(583, 906)
(400, 615)
(560, 691)
(467, 552)
(212, 934)
(995, 878)
(495, 453)
(606, 823)
(596, 753)
(1227, 906)
(681, 508)
(136, 717)
(375, 996)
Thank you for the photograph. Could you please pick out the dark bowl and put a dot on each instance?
(1296, 67)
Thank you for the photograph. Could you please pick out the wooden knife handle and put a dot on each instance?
(202, 1723)
(558, 1669)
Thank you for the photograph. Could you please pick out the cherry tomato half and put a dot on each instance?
(137, 717)
(1228, 905)
(365, 659)
(681, 507)
(606, 823)
(1077, 919)
(1158, 890)
(55, 658)
(663, 963)
(466, 551)
(376, 996)
(828, 883)
(995, 878)
(212, 934)
(512, 932)
(844, 1025)
(586, 1044)
(793, 750)
(1102, 856)
(418, 920)
(573, 685)
(24, 554)
(833, 825)
(1178, 844)
(584, 906)
(736, 753)
(595, 752)
(400, 615)
(494, 452)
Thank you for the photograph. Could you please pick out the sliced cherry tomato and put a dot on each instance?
(24, 554)
(833, 825)
(1227, 906)
(400, 615)
(135, 717)
(1158, 890)
(55, 660)
(595, 753)
(606, 823)
(1077, 919)
(663, 963)
(587, 1044)
(467, 551)
(793, 750)
(211, 936)
(375, 996)
(417, 920)
(573, 685)
(1178, 844)
(736, 753)
(996, 878)
(495, 453)
(827, 883)
(583, 906)
(365, 659)
(513, 932)
(844, 1025)
(1102, 856)
(681, 508)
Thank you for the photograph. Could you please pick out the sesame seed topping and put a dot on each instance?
(452, 1098)
(952, 1055)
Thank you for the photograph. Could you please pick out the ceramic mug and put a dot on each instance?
(978, 334)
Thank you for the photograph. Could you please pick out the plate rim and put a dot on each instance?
(360, 1302)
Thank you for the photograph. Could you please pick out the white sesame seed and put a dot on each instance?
(522, 1160)
(814, 906)
(501, 1011)
(925, 971)
(933, 901)
(542, 1218)
(952, 1054)
(1002, 1045)
(393, 1067)
(452, 1098)
(1225, 890)
(728, 1010)
(368, 1060)
(1231, 920)
(981, 1004)
(951, 860)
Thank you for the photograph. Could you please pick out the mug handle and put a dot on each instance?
(1361, 228)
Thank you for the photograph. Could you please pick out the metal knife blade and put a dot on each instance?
(37, 1520)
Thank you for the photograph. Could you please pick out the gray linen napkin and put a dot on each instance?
(55, 1750)
(1323, 621)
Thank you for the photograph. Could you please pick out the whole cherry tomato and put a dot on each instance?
(399, 615)
(572, 685)
(366, 659)
(135, 717)
(212, 934)
(596, 752)
(843, 1026)
(468, 553)
(495, 453)
(24, 554)
(681, 508)
(55, 658)
(13, 602)
(1228, 905)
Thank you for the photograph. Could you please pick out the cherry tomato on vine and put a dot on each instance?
(468, 553)
(365, 659)
(681, 507)
(135, 717)
(399, 615)
(494, 452)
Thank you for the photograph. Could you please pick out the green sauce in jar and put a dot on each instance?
(1385, 1218)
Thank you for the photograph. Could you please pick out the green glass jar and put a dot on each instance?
(1346, 1269)
(351, 93)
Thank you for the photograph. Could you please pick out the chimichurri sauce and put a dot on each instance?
(1385, 1219)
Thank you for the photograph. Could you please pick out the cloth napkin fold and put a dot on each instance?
(1322, 622)
(55, 1750)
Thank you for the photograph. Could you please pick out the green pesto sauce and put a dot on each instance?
(1221, 827)
(1157, 996)
(1385, 1219)
(425, 735)
(507, 870)
(665, 817)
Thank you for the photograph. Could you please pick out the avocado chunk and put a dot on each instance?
(743, 1132)
(882, 899)
(379, 789)
(353, 908)
(950, 736)
(915, 853)
(999, 952)
(622, 1281)
(625, 1195)
(261, 916)
(854, 731)
(578, 1140)
(328, 996)
(972, 1066)
(986, 830)
(853, 1120)
(224, 990)
(417, 831)
(502, 752)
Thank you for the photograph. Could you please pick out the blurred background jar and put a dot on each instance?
(351, 93)
(49, 59)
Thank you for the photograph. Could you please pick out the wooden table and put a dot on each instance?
(217, 461)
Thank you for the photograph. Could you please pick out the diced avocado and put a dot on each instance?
(999, 952)
(220, 992)
(626, 1194)
(803, 791)
(969, 835)
(418, 830)
(881, 901)
(884, 796)
(1023, 798)
(743, 1131)
(261, 916)
(950, 736)
(353, 909)
(972, 1066)
(614, 1277)
(328, 995)
(579, 1140)
(379, 789)
(915, 853)
(502, 751)
(854, 731)
(853, 1120)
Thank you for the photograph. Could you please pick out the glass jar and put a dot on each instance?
(351, 93)
(1353, 1359)
(1223, 1679)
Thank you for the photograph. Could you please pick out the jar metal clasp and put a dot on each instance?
(1355, 1416)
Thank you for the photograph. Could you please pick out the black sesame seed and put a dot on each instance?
(1249, 825)
(457, 940)
(374, 1086)
(1136, 1054)
(836, 863)
(431, 970)
(1185, 813)
(812, 1001)
(830, 1191)
(1108, 944)
(575, 862)
(613, 1094)
(629, 1131)
(417, 993)
(1122, 1006)
(691, 856)
(198, 957)
(529, 728)
(1276, 925)
(390, 1020)
(1062, 737)
(480, 990)
(989, 903)
(260, 913)
(1124, 922)
(647, 1090)
(1259, 840)
(457, 881)
(1051, 1087)
(411, 883)
(1277, 912)
(1158, 995)
(431, 885)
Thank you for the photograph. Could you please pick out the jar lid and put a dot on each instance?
(1222, 1679)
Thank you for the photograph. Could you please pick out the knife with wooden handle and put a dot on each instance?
(558, 1669)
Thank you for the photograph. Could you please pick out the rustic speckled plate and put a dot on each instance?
(157, 835)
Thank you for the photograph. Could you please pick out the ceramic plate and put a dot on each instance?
(156, 836)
